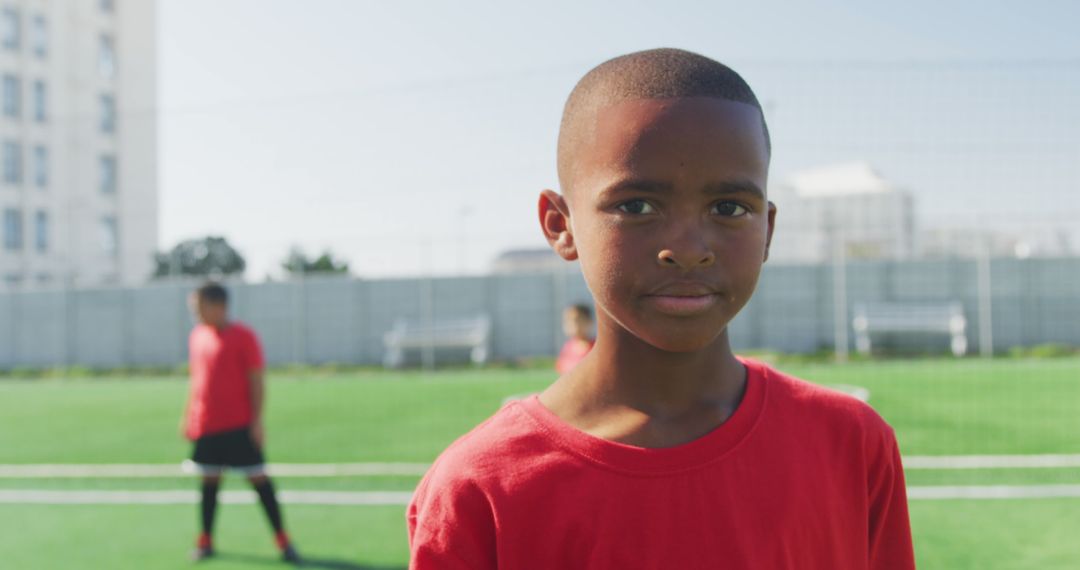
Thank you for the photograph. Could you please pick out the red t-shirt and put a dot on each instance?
(221, 361)
(572, 352)
(798, 477)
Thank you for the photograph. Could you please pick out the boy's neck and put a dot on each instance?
(649, 378)
(219, 325)
(627, 389)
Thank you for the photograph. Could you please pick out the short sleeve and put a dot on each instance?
(890, 528)
(451, 526)
(253, 355)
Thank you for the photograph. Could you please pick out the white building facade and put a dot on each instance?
(845, 206)
(78, 142)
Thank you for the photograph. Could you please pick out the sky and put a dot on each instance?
(413, 138)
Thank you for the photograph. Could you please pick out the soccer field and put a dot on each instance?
(938, 407)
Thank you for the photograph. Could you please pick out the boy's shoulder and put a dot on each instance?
(493, 449)
(801, 404)
(234, 327)
(241, 333)
(241, 327)
(513, 445)
(512, 433)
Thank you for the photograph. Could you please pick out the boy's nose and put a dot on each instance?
(687, 258)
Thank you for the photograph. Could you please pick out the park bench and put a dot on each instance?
(910, 318)
(471, 333)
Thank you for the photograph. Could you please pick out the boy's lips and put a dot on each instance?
(683, 299)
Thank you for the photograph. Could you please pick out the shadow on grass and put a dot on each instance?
(308, 562)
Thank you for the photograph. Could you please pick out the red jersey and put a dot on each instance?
(798, 477)
(572, 352)
(221, 361)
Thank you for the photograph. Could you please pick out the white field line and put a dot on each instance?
(141, 470)
(36, 497)
(990, 461)
(177, 470)
(400, 498)
(993, 492)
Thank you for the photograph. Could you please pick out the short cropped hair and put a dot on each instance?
(212, 292)
(652, 74)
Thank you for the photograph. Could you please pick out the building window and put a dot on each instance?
(107, 6)
(12, 160)
(41, 231)
(107, 180)
(39, 36)
(41, 101)
(13, 230)
(108, 114)
(109, 235)
(9, 29)
(12, 89)
(106, 57)
(41, 166)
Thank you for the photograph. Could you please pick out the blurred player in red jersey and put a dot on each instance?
(224, 412)
(578, 327)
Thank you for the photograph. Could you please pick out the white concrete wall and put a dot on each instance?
(323, 320)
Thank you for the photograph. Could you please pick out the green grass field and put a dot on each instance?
(938, 407)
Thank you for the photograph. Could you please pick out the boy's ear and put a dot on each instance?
(772, 226)
(555, 223)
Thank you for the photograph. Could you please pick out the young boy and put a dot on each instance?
(577, 325)
(224, 412)
(662, 449)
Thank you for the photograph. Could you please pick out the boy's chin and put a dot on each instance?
(681, 341)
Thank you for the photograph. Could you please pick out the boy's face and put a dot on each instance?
(576, 325)
(208, 312)
(668, 216)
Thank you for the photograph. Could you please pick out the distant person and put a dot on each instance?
(224, 415)
(577, 325)
(663, 449)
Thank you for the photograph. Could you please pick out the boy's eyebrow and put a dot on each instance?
(736, 187)
(657, 187)
(638, 185)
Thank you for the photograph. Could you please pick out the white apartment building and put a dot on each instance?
(845, 205)
(78, 142)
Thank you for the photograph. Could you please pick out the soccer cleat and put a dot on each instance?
(290, 555)
(202, 553)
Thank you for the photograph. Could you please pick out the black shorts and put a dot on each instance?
(229, 449)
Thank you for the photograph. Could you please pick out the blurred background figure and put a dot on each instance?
(224, 413)
(578, 327)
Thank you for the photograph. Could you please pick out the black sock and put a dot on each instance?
(209, 505)
(265, 489)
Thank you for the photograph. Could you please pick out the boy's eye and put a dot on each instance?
(637, 207)
(729, 209)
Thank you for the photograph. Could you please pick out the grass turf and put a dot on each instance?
(1001, 535)
(336, 418)
(936, 406)
(142, 537)
(957, 535)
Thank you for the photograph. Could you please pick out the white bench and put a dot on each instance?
(467, 333)
(918, 318)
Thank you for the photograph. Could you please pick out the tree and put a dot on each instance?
(298, 263)
(210, 256)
